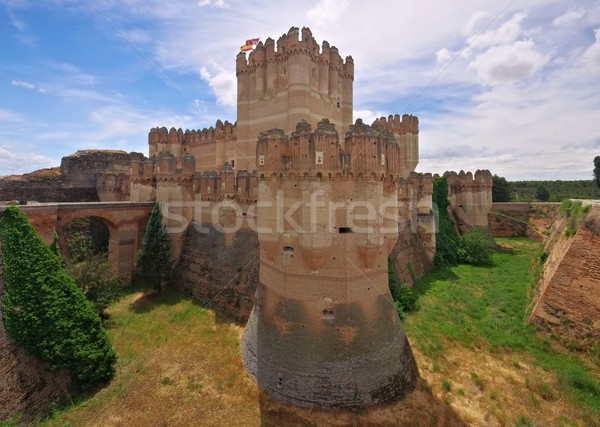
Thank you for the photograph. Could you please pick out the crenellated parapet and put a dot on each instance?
(470, 197)
(365, 152)
(400, 125)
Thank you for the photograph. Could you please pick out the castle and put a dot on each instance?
(330, 201)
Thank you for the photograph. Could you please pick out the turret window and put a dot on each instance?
(383, 160)
(319, 158)
(261, 160)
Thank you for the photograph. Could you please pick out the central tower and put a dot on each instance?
(277, 88)
(324, 330)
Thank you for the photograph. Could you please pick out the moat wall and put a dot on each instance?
(524, 219)
(219, 270)
(222, 270)
(27, 386)
(567, 299)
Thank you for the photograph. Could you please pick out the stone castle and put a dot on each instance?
(323, 328)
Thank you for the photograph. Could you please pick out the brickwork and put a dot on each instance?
(568, 295)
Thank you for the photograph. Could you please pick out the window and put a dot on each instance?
(223, 186)
(383, 160)
(319, 158)
(232, 163)
(261, 160)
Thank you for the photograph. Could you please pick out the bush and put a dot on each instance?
(476, 247)
(575, 213)
(44, 310)
(404, 298)
(97, 282)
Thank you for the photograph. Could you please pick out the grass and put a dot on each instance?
(180, 364)
(469, 314)
(177, 362)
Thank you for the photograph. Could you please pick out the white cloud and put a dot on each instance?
(367, 116)
(327, 11)
(508, 63)
(592, 54)
(221, 4)
(223, 84)
(506, 33)
(23, 84)
(568, 18)
(13, 162)
(9, 116)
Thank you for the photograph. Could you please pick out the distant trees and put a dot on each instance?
(501, 189)
(44, 310)
(542, 193)
(597, 170)
(154, 259)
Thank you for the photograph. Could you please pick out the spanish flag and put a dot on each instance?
(250, 43)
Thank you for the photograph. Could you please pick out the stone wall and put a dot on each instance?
(531, 220)
(568, 294)
(409, 254)
(27, 386)
(55, 190)
(219, 270)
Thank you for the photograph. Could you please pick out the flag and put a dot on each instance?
(249, 45)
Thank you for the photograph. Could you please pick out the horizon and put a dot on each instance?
(495, 85)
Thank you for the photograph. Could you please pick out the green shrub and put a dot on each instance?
(575, 213)
(97, 282)
(154, 259)
(446, 239)
(476, 247)
(44, 310)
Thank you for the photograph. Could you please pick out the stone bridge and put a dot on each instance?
(126, 222)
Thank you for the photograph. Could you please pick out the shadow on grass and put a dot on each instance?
(169, 295)
(444, 274)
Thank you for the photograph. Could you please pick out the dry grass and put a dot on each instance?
(180, 365)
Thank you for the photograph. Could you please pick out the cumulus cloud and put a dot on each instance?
(223, 84)
(506, 33)
(508, 63)
(568, 18)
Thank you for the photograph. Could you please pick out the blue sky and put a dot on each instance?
(510, 86)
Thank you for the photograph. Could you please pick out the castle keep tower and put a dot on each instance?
(324, 330)
(277, 88)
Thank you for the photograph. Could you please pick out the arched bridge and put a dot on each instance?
(126, 222)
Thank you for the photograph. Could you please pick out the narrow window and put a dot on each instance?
(383, 160)
(261, 159)
(223, 186)
(319, 158)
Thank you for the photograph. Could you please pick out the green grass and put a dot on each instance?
(485, 308)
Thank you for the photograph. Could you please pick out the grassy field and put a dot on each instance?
(477, 352)
(179, 363)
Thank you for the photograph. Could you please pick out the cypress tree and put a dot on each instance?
(154, 259)
(45, 311)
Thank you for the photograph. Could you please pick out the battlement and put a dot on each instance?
(481, 179)
(290, 44)
(406, 124)
(366, 151)
(191, 137)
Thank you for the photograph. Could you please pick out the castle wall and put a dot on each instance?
(219, 272)
(470, 198)
(567, 301)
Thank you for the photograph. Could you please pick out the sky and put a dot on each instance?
(509, 86)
